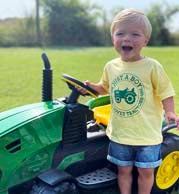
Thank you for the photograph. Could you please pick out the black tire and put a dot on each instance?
(118, 99)
(61, 188)
(130, 98)
(169, 145)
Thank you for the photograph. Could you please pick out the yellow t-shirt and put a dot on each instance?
(136, 92)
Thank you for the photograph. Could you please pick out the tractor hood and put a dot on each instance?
(11, 119)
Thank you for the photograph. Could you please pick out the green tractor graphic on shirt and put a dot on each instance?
(129, 96)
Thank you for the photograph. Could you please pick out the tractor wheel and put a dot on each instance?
(130, 99)
(62, 188)
(167, 174)
(118, 99)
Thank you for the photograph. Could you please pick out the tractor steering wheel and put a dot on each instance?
(74, 83)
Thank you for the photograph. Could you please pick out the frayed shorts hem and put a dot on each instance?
(133, 163)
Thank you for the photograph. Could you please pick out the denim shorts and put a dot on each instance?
(139, 156)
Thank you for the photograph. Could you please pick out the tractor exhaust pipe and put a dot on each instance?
(47, 80)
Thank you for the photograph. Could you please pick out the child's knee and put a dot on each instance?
(146, 172)
(125, 169)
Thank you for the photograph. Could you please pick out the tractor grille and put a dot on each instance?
(75, 129)
(14, 146)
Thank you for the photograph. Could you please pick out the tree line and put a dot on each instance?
(73, 23)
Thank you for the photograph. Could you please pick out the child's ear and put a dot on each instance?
(112, 39)
(146, 41)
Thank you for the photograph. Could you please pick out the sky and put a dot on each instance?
(21, 8)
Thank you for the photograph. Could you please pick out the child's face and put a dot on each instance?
(128, 39)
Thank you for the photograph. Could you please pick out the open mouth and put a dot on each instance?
(127, 48)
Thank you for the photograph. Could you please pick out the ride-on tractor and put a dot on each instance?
(59, 146)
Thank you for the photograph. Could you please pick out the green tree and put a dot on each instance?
(25, 35)
(71, 22)
(159, 16)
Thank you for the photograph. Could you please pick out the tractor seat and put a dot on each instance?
(102, 113)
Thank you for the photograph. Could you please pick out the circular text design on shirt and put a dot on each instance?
(127, 95)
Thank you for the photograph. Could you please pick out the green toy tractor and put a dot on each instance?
(56, 146)
(129, 96)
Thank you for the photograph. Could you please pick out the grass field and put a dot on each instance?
(21, 71)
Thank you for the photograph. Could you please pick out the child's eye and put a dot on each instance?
(135, 34)
(119, 34)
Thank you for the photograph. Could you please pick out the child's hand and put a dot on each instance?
(95, 86)
(83, 90)
(170, 116)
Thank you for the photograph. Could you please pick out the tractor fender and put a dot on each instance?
(53, 177)
(168, 127)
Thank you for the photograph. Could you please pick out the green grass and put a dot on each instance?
(21, 72)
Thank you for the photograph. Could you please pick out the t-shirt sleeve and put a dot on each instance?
(104, 81)
(161, 83)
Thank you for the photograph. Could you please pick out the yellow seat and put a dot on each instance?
(102, 113)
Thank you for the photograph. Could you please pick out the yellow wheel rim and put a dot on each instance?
(168, 172)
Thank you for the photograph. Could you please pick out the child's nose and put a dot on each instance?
(127, 37)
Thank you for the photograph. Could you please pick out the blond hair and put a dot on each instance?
(134, 16)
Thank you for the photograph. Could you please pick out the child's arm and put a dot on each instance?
(96, 86)
(168, 106)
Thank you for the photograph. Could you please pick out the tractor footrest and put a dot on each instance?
(99, 178)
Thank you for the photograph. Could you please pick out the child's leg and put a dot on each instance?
(125, 179)
(145, 180)
(123, 157)
(147, 158)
